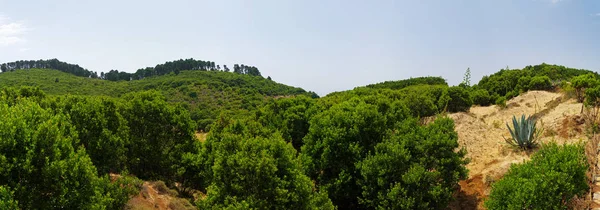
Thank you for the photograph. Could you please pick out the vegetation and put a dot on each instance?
(415, 168)
(509, 83)
(114, 75)
(176, 67)
(42, 161)
(396, 85)
(49, 64)
(524, 132)
(256, 170)
(269, 146)
(582, 82)
(553, 176)
(205, 93)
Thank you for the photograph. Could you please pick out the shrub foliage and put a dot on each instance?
(553, 176)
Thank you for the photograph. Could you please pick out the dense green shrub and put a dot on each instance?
(510, 83)
(6, 199)
(426, 100)
(540, 83)
(415, 167)
(481, 97)
(40, 160)
(290, 116)
(524, 83)
(121, 190)
(582, 82)
(256, 170)
(207, 93)
(553, 176)
(102, 130)
(592, 96)
(159, 134)
(337, 139)
(501, 102)
(396, 85)
(460, 100)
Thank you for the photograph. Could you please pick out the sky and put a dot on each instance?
(319, 45)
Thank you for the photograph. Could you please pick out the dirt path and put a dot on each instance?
(482, 131)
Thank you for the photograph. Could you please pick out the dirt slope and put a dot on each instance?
(482, 130)
(155, 195)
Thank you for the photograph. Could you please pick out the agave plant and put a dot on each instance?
(524, 133)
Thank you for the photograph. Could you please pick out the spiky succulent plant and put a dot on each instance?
(524, 133)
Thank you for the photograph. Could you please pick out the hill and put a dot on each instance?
(410, 144)
(205, 93)
(482, 130)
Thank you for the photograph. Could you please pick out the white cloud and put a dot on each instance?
(24, 49)
(596, 15)
(12, 32)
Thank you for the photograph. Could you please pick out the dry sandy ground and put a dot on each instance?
(155, 195)
(482, 131)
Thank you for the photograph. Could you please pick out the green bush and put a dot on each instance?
(40, 159)
(102, 129)
(481, 97)
(553, 176)
(400, 84)
(568, 90)
(524, 83)
(512, 94)
(6, 199)
(256, 171)
(501, 102)
(510, 83)
(415, 167)
(592, 96)
(460, 100)
(290, 116)
(159, 134)
(337, 139)
(582, 82)
(122, 189)
(540, 83)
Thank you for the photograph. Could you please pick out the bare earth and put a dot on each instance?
(482, 130)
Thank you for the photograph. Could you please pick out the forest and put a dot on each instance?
(73, 139)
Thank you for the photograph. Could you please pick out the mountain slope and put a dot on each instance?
(204, 93)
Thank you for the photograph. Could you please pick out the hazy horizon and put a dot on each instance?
(319, 46)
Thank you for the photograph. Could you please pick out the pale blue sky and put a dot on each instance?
(318, 45)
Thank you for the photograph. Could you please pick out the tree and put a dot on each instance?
(337, 139)
(159, 133)
(237, 69)
(481, 97)
(257, 172)
(290, 116)
(460, 100)
(540, 83)
(415, 167)
(41, 162)
(467, 78)
(580, 83)
(102, 130)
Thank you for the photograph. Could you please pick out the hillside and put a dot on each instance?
(408, 144)
(482, 130)
(205, 93)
